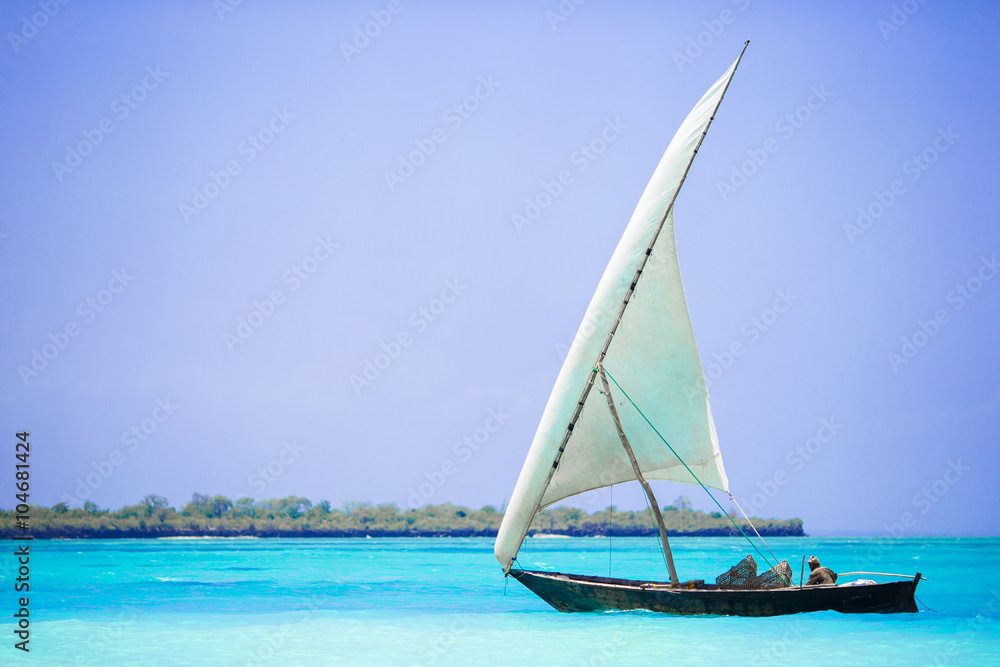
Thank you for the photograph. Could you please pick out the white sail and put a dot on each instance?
(652, 355)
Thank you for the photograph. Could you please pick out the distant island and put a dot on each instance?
(218, 516)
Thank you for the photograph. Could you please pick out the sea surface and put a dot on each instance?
(445, 602)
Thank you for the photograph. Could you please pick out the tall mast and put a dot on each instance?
(642, 480)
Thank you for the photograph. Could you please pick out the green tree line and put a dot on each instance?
(294, 516)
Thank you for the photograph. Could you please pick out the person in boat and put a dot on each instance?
(820, 575)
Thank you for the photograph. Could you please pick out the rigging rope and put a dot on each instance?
(750, 523)
(921, 602)
(611, 515)
(624, 393)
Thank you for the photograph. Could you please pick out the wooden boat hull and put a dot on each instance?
(570, 592)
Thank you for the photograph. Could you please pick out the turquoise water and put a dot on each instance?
(444, 602)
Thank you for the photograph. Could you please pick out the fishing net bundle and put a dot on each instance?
(779, 576)
(743, 576)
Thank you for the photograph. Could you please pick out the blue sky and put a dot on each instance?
(213, 220)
